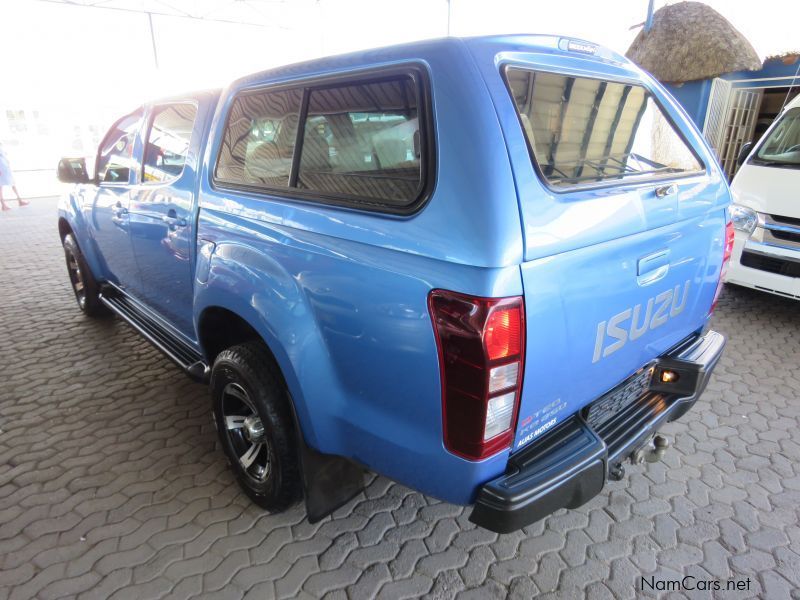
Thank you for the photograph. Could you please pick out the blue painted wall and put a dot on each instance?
(694, 95)
(772, 69)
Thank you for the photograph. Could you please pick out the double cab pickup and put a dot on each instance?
(481, 267)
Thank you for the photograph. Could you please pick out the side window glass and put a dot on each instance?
(115, 159)
(168, 141)
(363, 140)
(259, 139)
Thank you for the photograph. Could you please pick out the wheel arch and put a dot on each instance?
(71, 221)
(64, 228)
(219, 328)
(224, 324)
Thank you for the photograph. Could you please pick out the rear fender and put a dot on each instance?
(237, 281)
(246, 282)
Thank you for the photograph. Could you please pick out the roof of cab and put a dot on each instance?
(210, 93)
(538, 43)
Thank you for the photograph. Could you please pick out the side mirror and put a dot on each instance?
(744, 152)
(73, 170)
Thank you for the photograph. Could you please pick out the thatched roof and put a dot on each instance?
(689, 41)
(787, 58)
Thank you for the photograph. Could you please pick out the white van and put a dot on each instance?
(766, 210)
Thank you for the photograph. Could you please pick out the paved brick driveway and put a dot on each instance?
(111, 485)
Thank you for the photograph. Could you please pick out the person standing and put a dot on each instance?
(7, 178)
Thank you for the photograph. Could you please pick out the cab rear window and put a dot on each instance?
(584, 131)
(259, 140)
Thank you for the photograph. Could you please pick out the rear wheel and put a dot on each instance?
(255, 425)
(84, 285)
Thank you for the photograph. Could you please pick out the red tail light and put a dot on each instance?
(481, 345)
(729, 238)
(502, 335)
(726, 258)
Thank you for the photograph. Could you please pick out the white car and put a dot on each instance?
(766, 210)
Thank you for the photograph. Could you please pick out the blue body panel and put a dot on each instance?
(340, 295)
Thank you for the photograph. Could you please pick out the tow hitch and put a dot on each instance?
(652, 451)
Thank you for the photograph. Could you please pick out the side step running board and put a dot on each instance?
(180, 352)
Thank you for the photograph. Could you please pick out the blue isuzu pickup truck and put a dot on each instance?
(481, 267)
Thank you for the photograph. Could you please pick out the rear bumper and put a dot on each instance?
(570, 465)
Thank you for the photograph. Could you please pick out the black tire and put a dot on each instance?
(246, 384)
(84, 285)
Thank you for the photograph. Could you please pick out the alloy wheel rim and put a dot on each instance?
(245, 432)
(76, 277)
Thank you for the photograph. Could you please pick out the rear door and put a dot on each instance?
(162, 211)
(624, 226)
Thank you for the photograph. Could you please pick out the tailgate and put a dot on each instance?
(624, 218)
(592, 322)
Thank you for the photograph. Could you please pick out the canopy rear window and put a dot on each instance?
(584, 131)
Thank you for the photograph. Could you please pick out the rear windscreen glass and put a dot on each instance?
(585, 131)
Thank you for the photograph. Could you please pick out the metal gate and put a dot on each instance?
(740, 123)
(714, 124)
(730, 121)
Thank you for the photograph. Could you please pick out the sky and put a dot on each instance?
(58, 54)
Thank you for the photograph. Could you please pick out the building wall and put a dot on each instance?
(773, 69)
(694, 95)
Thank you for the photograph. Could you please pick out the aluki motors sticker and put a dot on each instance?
(536, 424)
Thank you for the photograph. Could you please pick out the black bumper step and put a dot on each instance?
(562, 470)
(570, 464)
(156, 332)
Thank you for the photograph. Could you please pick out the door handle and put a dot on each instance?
(173, 220)
(653, 276)
(666, 190)
(120, 210)
(652, 268)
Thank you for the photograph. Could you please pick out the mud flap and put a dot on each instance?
(329, 482)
